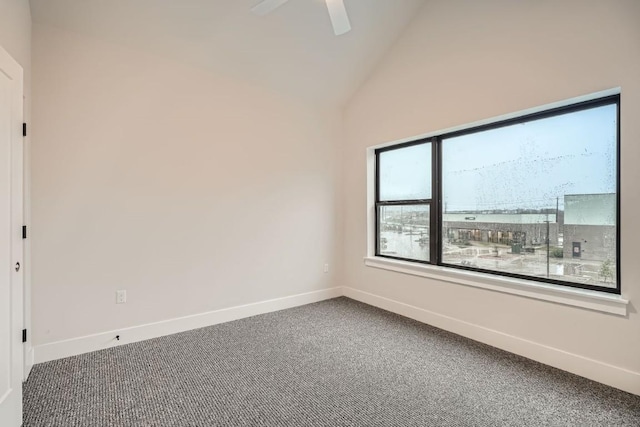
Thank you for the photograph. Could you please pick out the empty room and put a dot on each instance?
(320, 213)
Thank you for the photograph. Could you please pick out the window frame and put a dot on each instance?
(435, 203)
(433, 211)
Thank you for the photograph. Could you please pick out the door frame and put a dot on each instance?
(14, 72)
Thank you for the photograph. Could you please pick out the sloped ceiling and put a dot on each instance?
(292, 50)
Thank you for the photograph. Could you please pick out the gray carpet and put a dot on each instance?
(334, 363)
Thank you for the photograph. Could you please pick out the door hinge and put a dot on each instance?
(24, 129)
(24, 335)
(24, 231)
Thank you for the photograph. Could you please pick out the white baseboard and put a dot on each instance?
(613, 376)
(28, 363)
(598, 371)
(75, 346)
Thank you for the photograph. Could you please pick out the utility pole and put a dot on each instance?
(547, 221)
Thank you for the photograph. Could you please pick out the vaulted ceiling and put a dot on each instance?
(292, 50)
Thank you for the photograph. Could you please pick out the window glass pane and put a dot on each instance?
(405, 173)
(537, 199)
(404, 231)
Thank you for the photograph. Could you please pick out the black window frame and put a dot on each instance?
(435, 202)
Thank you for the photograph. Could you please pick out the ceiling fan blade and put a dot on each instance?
(339, 17)
(267, 6)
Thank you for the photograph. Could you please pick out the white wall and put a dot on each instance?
(191, 191)
(463, 61)
(15, 38)
(15, 31)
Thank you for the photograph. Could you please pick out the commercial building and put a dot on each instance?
(590, 226)
(501, 228)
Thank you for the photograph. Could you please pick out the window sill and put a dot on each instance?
(592, 300)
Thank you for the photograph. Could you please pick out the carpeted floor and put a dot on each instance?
(334, 363)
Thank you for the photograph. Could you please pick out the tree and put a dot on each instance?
(606, 272)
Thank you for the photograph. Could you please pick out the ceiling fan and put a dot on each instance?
(337, 13)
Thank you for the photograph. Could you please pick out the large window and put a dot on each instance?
(534, 197)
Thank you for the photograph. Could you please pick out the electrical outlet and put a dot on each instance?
(326, 268)
(121, 297)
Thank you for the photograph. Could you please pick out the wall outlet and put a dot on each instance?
(121, 297)
(326, 268)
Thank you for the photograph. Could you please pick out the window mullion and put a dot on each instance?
(436, 206)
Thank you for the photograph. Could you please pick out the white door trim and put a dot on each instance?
(11, 399)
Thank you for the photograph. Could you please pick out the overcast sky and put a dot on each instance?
(519, 166)
(530, 165)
